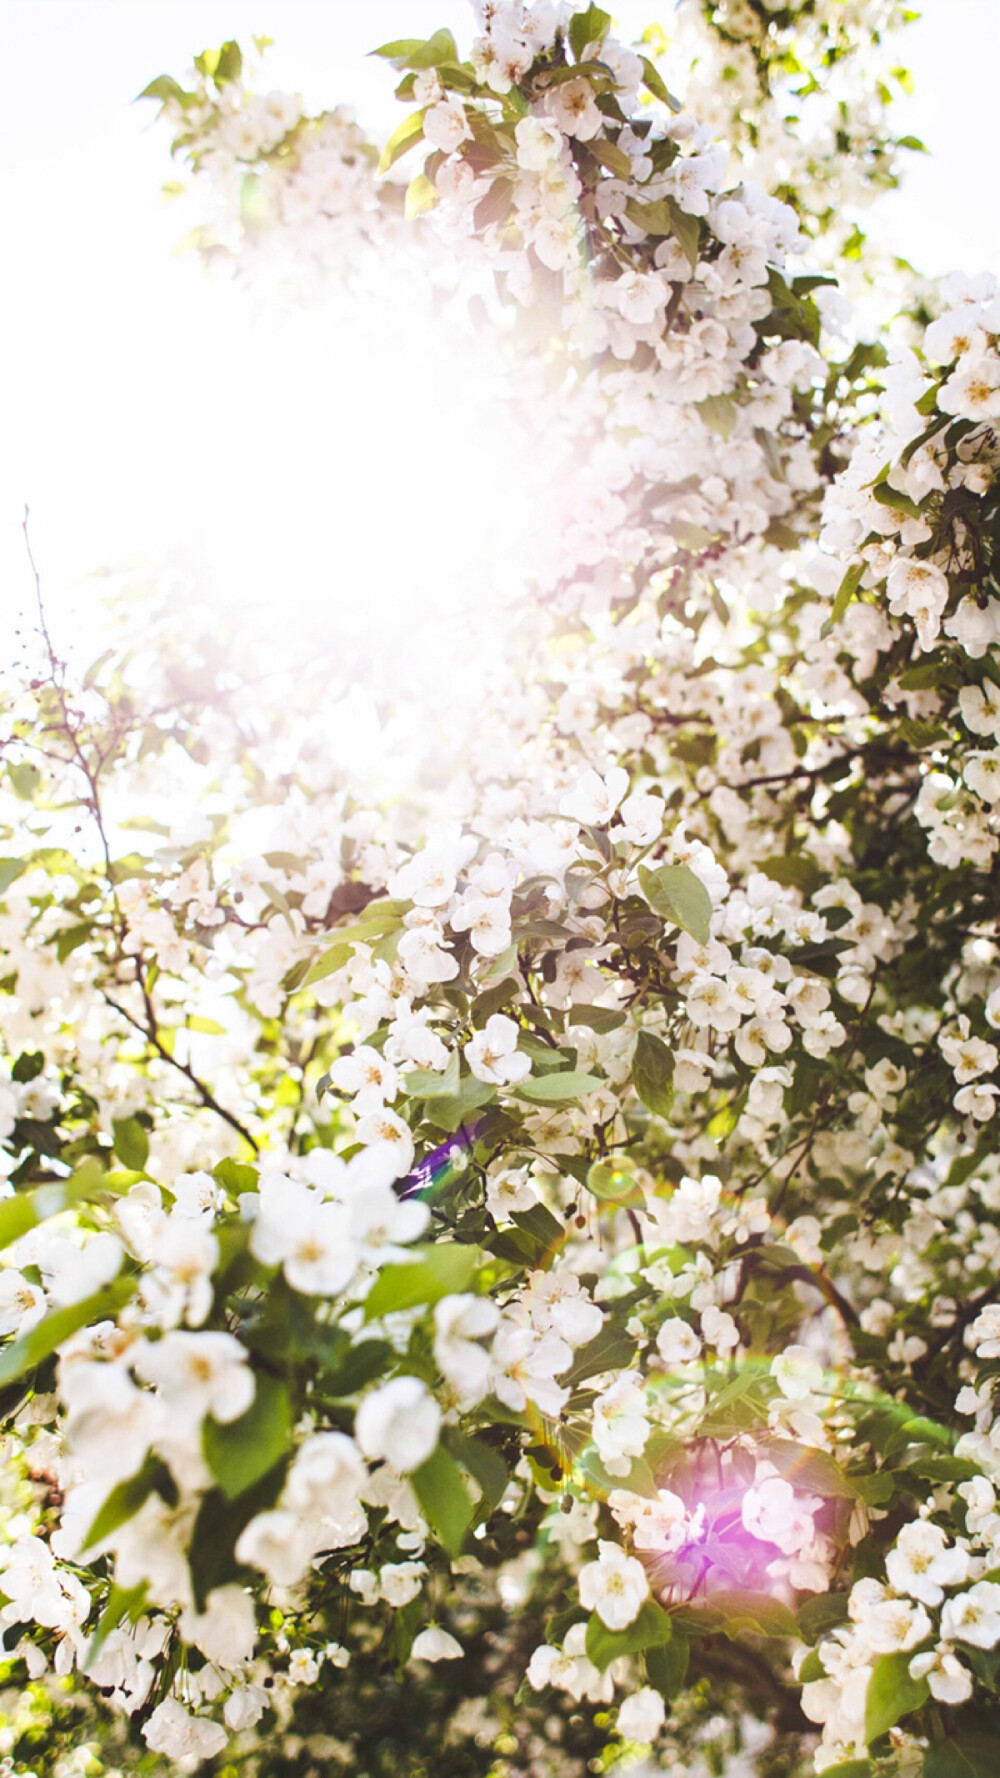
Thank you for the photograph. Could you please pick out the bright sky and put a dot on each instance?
(142, 410)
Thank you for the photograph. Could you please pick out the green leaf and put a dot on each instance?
(216, 1531)
(875, 1490)
(544, 1228)
(655, 218)
(235, 1177)
(242, 1451)
(651, 1629)
(919, 1430)
(29, 1065)
(811, 1669)
(782, 536)
(792, 315)
(943, 1469)
(675, 892)
(755, 1611)
(558, 1088)
(820, 958)
(612, 1349)
(86, 1186)
(665, 217)
(821, 1614)
(965, 1756)
(653, 79)
(653, 1073)
(71, 938)
(504, 965)
(486, 1467)
(10, 870)
(409, 133)
(125, 1500)
(420, 197)
(585, 28)
(845, 593)
(598, 73)
(719, 414)
(424, 1083)
(405, 1624)
(358, 1366)
(891, 1694)
(611, 1185)
(806, 282)
(221, 65)
(164, 87)
(639, 1478)
(444, 1499)
(435, 53)
(896, 501)
(122, 1602)
(612, 157)
(495, 206)
(131, 1143)
(25, 779)
(380, 915)
(25, 1354)
(793, 870)
(921, 735)
(444, 1269)
(229, 66)
(720, 1420)
(930, 674)
(815, 1472)
(596, 1018)
(20, 1213)
(31, 1208)
(333, 959)
(448, 1113)
(400, 50)
(852, 1768)
(667, 1664)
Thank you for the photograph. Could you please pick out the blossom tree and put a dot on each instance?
(505, 1275)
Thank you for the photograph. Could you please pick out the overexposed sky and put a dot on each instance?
(141, 409)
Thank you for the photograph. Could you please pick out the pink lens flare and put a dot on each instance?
(738, 1526)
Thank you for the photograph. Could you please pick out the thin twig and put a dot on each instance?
(207, 1098)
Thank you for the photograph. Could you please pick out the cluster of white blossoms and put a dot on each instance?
(784, 84)
(289, 195)
(541, 1216)
(938, 1607)
(800, 93)
(909, 508)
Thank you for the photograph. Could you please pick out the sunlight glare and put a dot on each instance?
(366, 483)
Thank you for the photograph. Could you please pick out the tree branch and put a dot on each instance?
(207, 1097)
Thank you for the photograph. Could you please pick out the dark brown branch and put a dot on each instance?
(207, 1098)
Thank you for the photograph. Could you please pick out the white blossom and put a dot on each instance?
(615, 1586)
(399, 1421)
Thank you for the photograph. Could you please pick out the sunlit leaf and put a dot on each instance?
(676, 893)
(28, 1351)
(239, 1452)
(408, 134)
(652, 1628)
(891, 1694)
(558, 1088)
(444, 1499)
(653, 1073)
(439, 1270)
